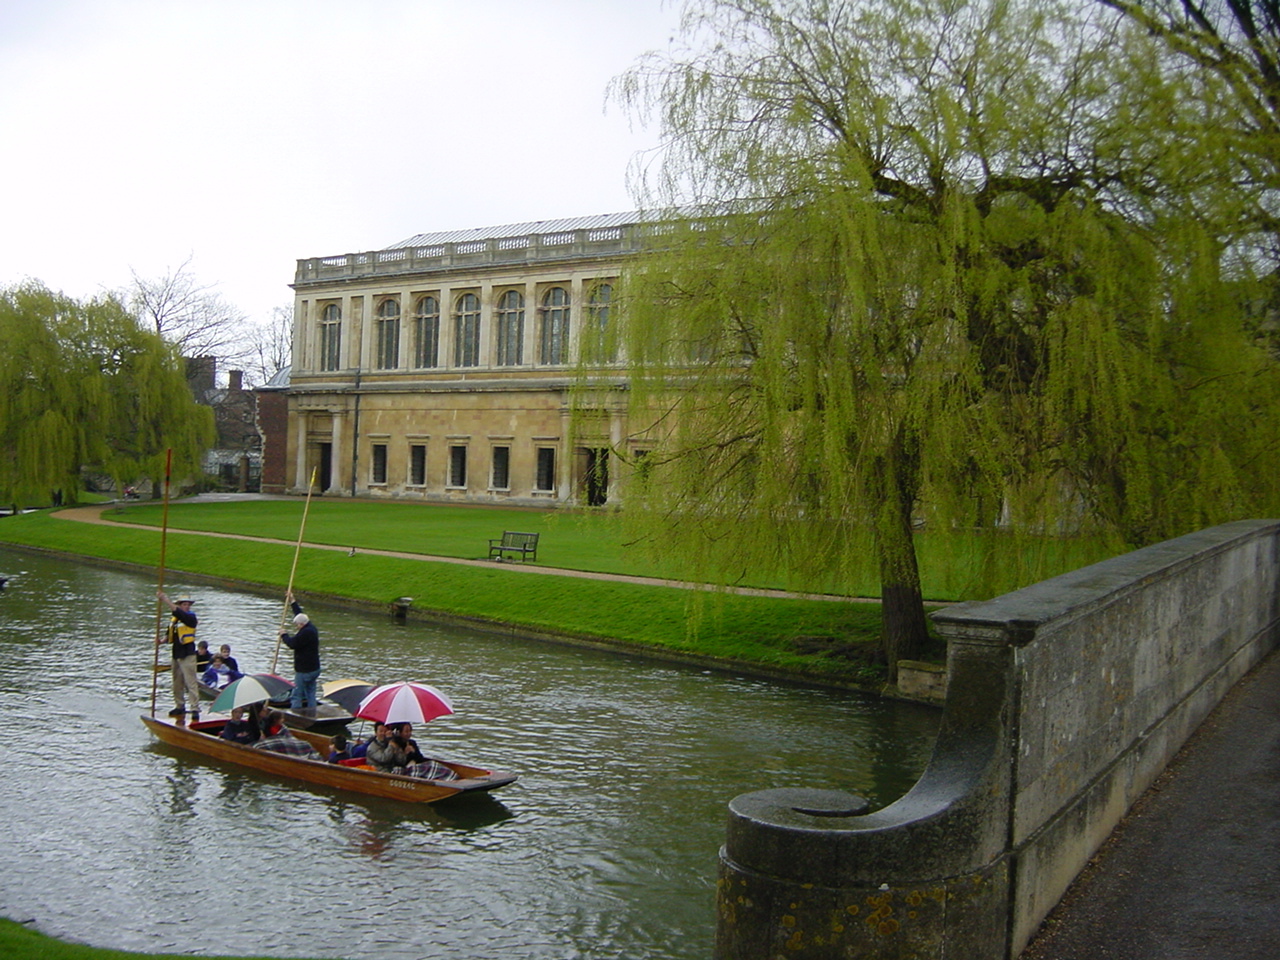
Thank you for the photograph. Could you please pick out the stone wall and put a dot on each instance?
(1064, 701)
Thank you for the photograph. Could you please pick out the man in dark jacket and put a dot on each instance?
(305, 644)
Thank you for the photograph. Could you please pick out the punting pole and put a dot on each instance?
(284, 619)
(164, 536)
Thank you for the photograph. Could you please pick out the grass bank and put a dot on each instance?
(814, 639)
(17, 942)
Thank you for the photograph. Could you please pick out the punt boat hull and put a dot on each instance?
(202, 738)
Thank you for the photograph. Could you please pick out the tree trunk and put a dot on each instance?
(906, 632)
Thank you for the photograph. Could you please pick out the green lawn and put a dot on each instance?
(748, 631)
(952, 567)
(575, 540)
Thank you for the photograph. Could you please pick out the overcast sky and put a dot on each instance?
(246, 134)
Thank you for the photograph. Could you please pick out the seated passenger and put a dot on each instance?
(219, 674)
(230, 661)
(359, 748)
(279, 740)
(339, 751)
(237, 729)
(202, 656)
(381, 753)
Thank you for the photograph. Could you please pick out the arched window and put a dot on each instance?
(330, 336)
(466, 329)
(426, 340)
(555, 326)
(599, 336)
(510, 328)
(387, 335)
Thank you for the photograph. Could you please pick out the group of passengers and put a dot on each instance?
(392, 748)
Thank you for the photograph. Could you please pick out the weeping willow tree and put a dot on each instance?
(934, 277)
(82, 385)
(1235, 43)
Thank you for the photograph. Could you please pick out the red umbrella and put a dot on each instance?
(404, 703)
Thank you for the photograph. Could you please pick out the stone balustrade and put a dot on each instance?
(439, 257)
(1064, 701)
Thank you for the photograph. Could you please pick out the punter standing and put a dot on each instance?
(182, 640)
(305, 645)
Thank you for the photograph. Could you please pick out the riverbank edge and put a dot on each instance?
(503, 628)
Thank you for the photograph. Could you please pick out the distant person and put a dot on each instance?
(305, 644)
(339, 751)
(238, 729)
(202, 657)
(181, 637)
(278, 739)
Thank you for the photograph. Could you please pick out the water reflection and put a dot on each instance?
(605, 848)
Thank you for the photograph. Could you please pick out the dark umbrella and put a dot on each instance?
(347, 693)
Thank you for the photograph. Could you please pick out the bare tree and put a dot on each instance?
(270, 345)
(188, 314)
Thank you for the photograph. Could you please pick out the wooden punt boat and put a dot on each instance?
(202, 737)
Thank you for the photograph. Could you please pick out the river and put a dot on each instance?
(605, 848)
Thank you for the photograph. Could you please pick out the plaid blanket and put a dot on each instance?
(428, 769)
(287, 743)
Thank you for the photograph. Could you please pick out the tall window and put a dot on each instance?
(387, 333)
(501, 479)
(510, 328)
(426, 341)
(466, 329)
(330, 336)
(597, 337)
(555, 326)
(379, 474)
(545, 478)
(418, 465)
(457, 466)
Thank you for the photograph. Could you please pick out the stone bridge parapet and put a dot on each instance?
(1064, 702)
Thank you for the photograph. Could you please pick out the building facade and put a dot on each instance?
(444, 367)
(236, 458)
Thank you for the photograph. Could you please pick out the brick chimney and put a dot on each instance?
(235, 380)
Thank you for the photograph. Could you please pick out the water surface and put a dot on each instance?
(605, 848)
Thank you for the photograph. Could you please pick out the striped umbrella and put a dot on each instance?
(404, 703)
(251, 689)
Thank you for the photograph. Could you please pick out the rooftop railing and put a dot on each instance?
(572, 244)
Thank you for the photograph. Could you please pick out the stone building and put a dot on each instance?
(442, 367)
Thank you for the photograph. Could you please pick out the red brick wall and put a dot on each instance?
(273, 424)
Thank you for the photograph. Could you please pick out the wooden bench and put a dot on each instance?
(523, 544)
